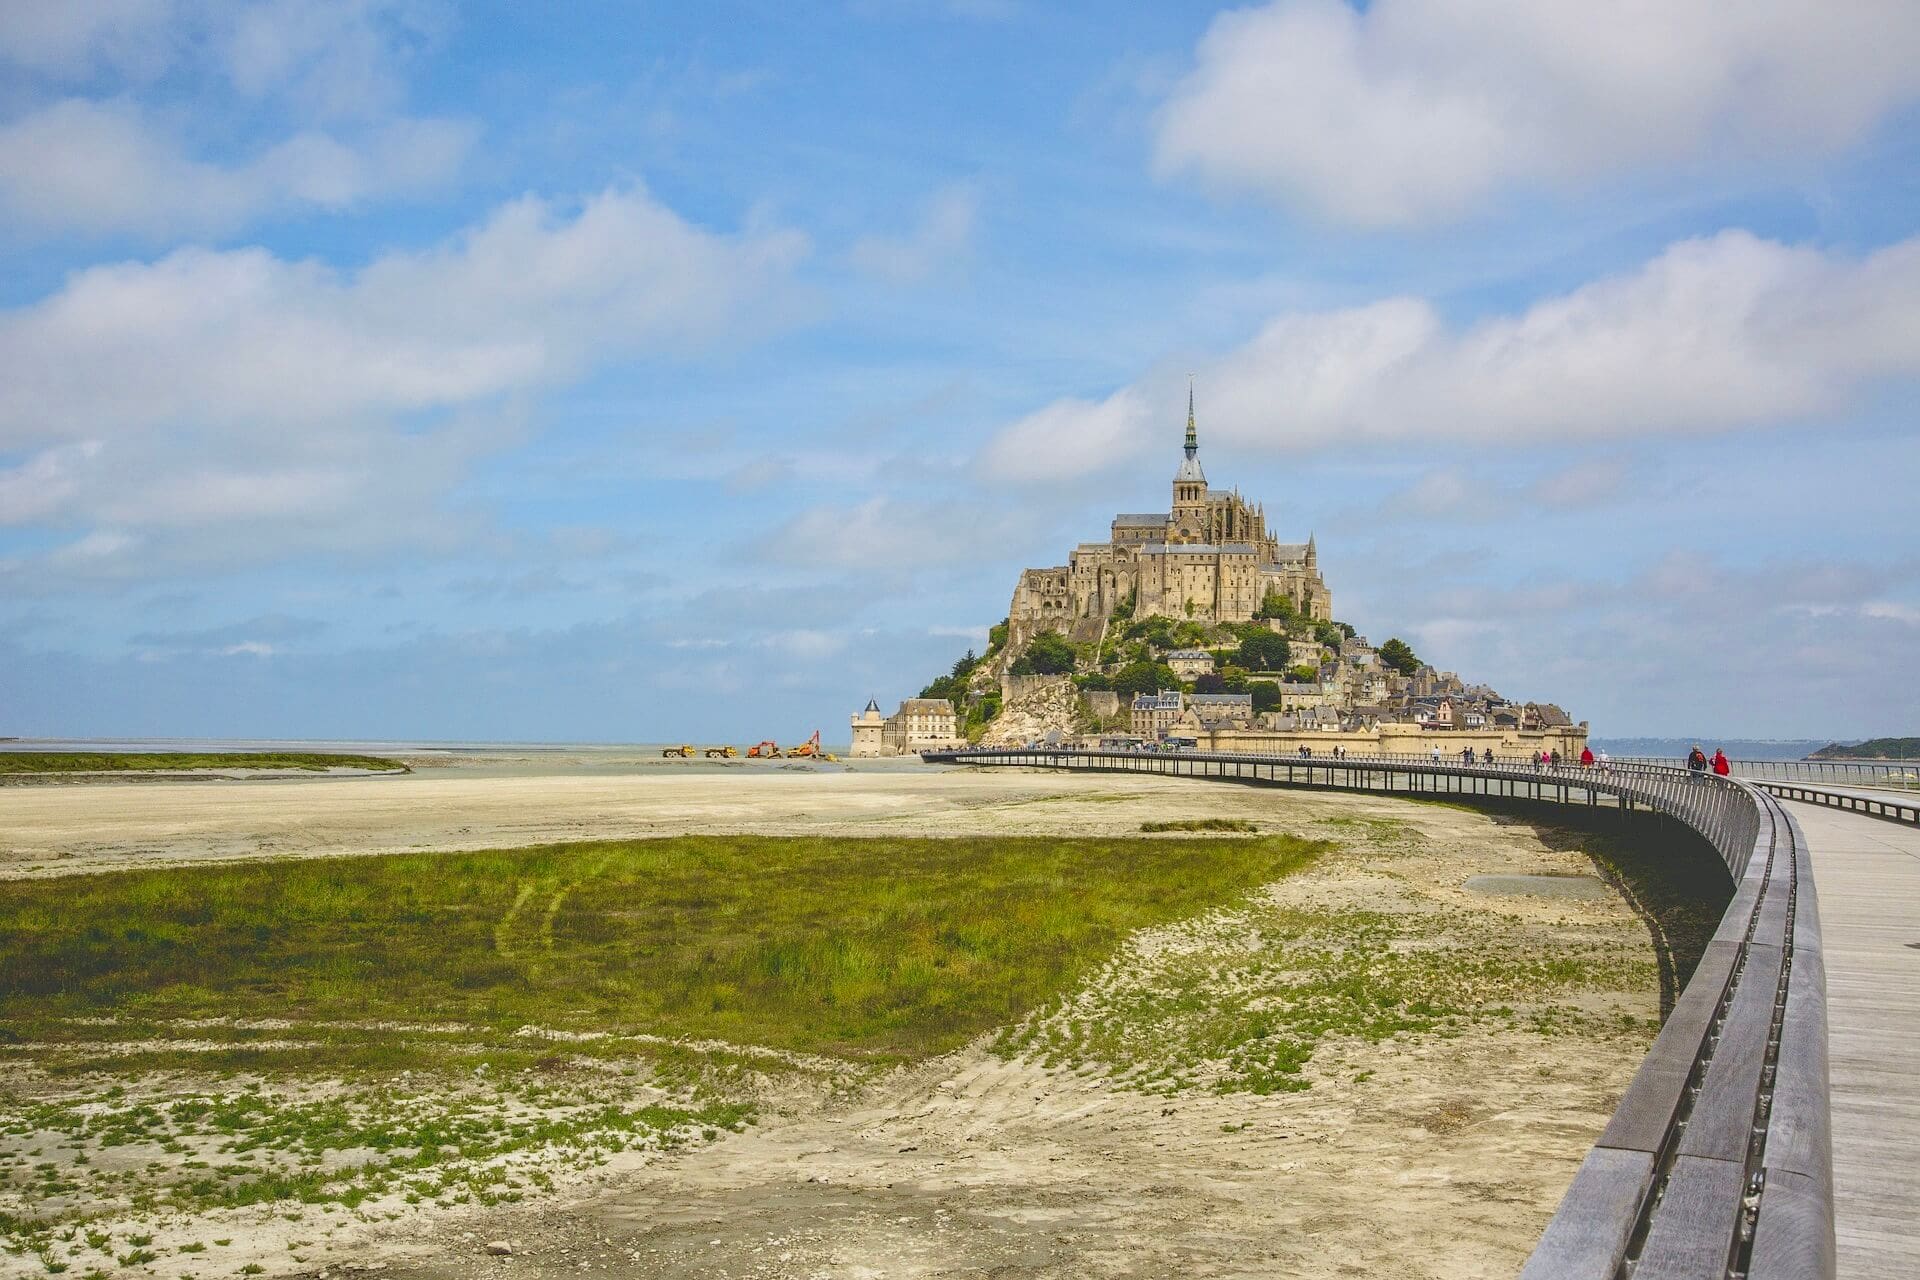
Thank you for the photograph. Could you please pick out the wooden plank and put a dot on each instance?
(1806, 919)
(1770, 923)
(1799, 1132)
(1646, 1109)
(1793, 1239)
(1746, 897)
(1692, 1233)
(1869, 878)
(1722, 1122)
(1589, 1231)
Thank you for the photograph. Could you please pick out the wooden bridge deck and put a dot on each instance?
(1868, 873)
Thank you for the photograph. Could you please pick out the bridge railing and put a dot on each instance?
(1898, 774)
(1718, 1161)
(1890, 807)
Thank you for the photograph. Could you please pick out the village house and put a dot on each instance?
(1156, 713)
(1188, 663)
(1215, 710)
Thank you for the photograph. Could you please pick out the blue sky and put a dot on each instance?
(637, 372)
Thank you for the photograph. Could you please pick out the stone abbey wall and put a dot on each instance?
(1210, 558)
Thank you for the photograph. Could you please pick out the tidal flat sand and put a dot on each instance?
(1098, 1138)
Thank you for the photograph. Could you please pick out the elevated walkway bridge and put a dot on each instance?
(1773, 1129)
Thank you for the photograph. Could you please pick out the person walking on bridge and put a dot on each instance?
(1586, 757)
(1696, 761)
(1721, 765)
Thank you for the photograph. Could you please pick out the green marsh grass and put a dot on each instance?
(1200, 824)
(448, 1028)
(896, 948)
(37, 762)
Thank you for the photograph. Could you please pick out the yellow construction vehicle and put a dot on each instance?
(808, 750)
(721, 753)
(766, 750)
(684, 752)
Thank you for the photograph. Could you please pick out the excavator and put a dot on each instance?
(683, 752)
(766, 750)
(810, 750)
(721, 753)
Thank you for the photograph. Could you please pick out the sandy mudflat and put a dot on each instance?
(1424, 1155)
(488, 804)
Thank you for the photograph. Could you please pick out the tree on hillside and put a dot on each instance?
(1210, 683)
(1144, 677)
(1188, 635)
(1266, 696)
(1277, 605)
(1156, 631)
(1265, 651)
(1048, 654)
(953, 690)
(1396, 653)
(1329, 634)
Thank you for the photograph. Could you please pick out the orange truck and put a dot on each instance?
(764, 751)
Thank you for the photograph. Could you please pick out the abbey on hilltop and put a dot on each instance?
(1210, 559)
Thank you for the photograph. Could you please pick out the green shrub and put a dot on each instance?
(1265, 651)
(1047, 654)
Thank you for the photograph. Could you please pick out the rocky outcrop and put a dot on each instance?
(1039, 705)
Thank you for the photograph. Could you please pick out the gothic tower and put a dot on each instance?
(1189, 488)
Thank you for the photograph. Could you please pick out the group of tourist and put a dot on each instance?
(1540, 760)
(1697, 761)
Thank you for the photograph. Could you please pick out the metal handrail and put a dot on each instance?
(1901, 811)
(1718, 1161)
(1899, 774)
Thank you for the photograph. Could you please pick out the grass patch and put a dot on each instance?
(1200, 824)
(1239, 1001)
(1219, 1011)
(894, 947)
(361, 1034)
(36, 762)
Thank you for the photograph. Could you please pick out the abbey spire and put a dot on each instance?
(1190, 472)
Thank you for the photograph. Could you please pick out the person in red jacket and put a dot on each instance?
(1720, 765)
(1586, 757)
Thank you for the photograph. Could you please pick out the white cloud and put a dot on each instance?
(1415, 111)
(1715, 334)
(321, 78)
(73, 38)
(239, 389)
(805, 643)
(896, 533)
(97, 167)
(1681, 645)
(1073, 437)
(1892, 611)
(330, 57)
(946, 228)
